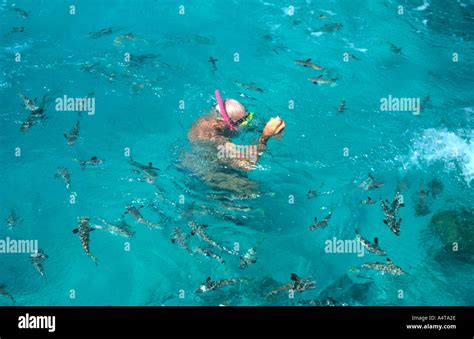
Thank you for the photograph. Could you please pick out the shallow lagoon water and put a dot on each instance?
(138, 107)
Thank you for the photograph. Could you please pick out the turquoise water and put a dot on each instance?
(137, 107)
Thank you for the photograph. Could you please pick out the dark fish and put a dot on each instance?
(323, 302)
(370, 183)
(297, 284)
(71, 138)
(121, 228)
(208, 253)
(421, 201)
(371, 247)
(320, 224)
(37, 259)
(4, 292)
(13, 219)
(249, 258)
(250, 86)
(199, 230)
(93, 161)
(390, 212)
(36, 112)
(84, 231)
(64, 173)
(308, 63)
(368, 201)
(102, 32)
(135, 213)
(18, 29)
(394, 49)
(436, 187)
(319, 80)
(213, 62)
(388, 267)
(148, 169)
(333, 27)
(210, 285)
(342, 106)
(22, 12)
(179, 238)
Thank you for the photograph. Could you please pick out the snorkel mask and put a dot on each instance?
(232, 125)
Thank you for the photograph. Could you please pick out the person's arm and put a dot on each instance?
(246, 157)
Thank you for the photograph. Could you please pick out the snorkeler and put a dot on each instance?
(222, 124)
(217, 161)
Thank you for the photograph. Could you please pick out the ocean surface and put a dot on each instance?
(145, 106)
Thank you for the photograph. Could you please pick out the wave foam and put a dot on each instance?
(441, 145)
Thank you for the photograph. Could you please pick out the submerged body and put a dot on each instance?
(215, 159)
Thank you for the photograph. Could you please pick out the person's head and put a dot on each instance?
(235, 110)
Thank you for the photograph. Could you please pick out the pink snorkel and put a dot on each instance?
(223, 112)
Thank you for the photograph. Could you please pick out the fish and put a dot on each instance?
(384, 268)
(370, 183)
(319, 80)
(18, 29)
(37, 259)
(102, 32)
(332, 27)
(64, 173)
(436, 187)
(210, 285)
(320, 224)
(249, 258)
(323, 302)
(22, 12)
(312, 194)
(213, 62)
(297, 284)
(148, 169)
(371, 247)
(342, 106)
(390, 212)
(28, 103)
(199, 230)
(3, 292)
(425, 102)
(243, 95)
(135, 213)
(128, 36)
(71, 138)
(208, 253)
(368, 201)
(250, 86)
(84, 231)
(13, 219)
(141, 59)
(36, 112)
(179, 238)
(394, 49)
(421, 201)
(121, 228)
(93, 161)
(308, 63)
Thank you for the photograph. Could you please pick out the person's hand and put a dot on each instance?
(273, 127)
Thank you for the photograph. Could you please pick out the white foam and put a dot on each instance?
(441, 145)
(423, 7)
(352, 46)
